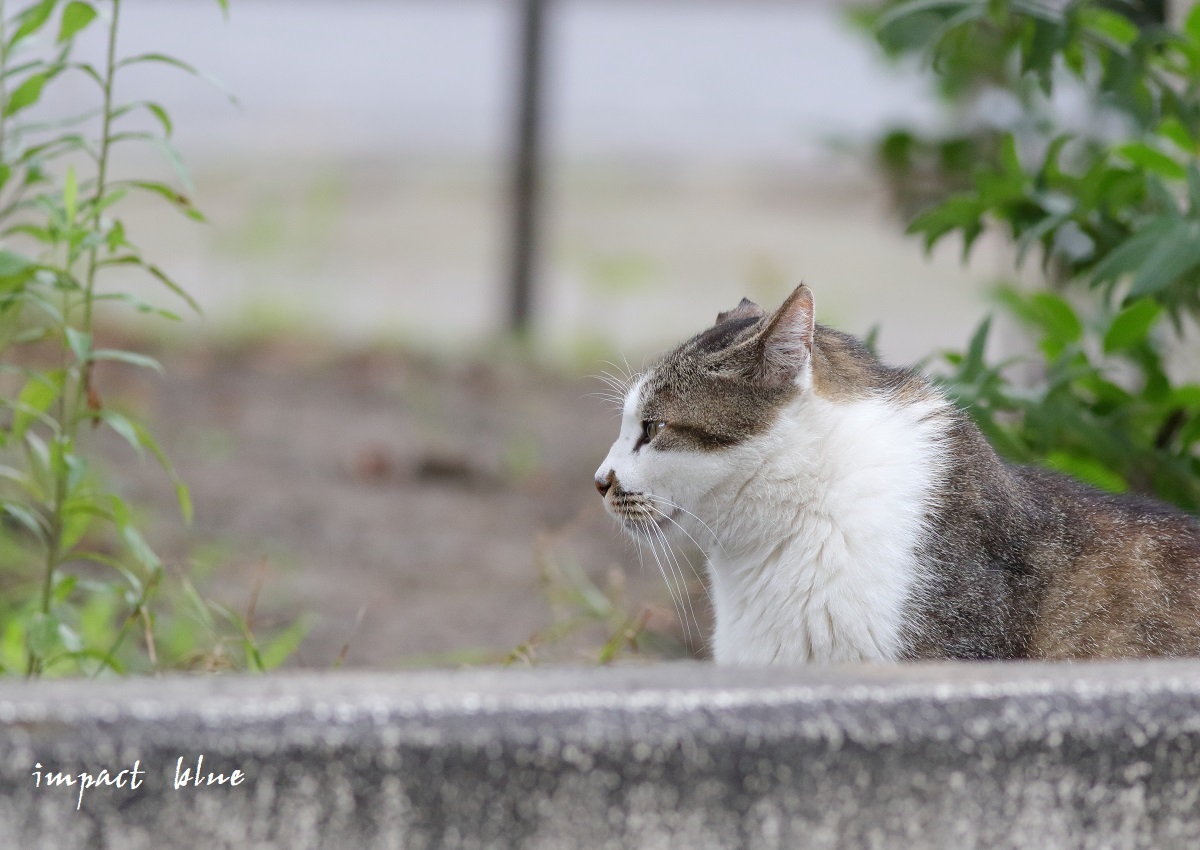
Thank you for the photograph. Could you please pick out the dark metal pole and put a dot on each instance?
(526, 166)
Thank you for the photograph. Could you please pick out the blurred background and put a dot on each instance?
(369, 457)
(694, 152)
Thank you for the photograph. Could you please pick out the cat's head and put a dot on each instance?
(698, 424)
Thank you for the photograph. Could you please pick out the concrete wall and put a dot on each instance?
(681, 756)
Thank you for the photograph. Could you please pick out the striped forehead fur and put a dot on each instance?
(707, 391)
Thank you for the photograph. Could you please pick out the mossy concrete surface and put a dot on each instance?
(677, 755)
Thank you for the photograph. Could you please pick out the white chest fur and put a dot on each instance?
(817, 554)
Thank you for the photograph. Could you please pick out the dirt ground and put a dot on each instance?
(423, 511)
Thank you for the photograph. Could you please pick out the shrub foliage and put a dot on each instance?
(1075, 132)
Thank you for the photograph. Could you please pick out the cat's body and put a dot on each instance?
(849, 512)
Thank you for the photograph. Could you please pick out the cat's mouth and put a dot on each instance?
(638, 513)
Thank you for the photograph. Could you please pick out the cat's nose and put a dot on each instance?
(604, 484)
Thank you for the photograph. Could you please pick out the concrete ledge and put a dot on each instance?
(681, 756)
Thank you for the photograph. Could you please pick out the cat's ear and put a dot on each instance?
(746, 309)
(784, 346)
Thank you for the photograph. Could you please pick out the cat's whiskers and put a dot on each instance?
(640, 517)
(624, 371)
(625, 374)
(612, 398)
(621, 383)
(629, 370)
(667, 516)
(691, 566)
(681, 586)
(682, 509)
(681, 578)
(676, 602)
(646, 520)
(612, 383)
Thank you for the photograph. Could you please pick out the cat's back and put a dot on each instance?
(1024, 562)
(1120, 573)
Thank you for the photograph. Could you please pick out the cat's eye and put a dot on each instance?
(650, 430)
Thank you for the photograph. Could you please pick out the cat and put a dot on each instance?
(849, 512)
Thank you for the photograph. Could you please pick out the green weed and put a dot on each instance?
(81, 589)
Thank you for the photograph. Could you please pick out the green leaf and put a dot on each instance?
(77, 473)
(116, 237)
(32, 20)
(181, 491)
(80, 344)
(140, 305)
(173, 159)
(1057, 316)
(1177, 253)
(1191, 24)
(916, 7)
(70, 196)
(113, 196)
(1049, 312)
(1172, 128)
(42, 635)
(12, 645)
(35, 156)
(1187, 395)
(23, 67)
(1112, 24)
(41, 234)
(139, 548)
(131, 357)
(973, 364)
(1009, 160)
(1039, 231)
(75, 17)
(64, 584)
(123, 426)
(12, 264)
(958, 212)
(42, 303)
(15, 475)
(37, 457)
(26, 94)
(1088, 470)
(1038, 11)
(27, 518)
(35, 398)
(1129, 256)
(161, 114)
(178, 199)
(1193, 176)
(283, 645)
(90, 71)
(75, 524)
(184, 497)
(1131, 325)
(1150, 159)
(158, 58)
(202, 609)
(164, 59)
(164, 119)
(173, 286)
